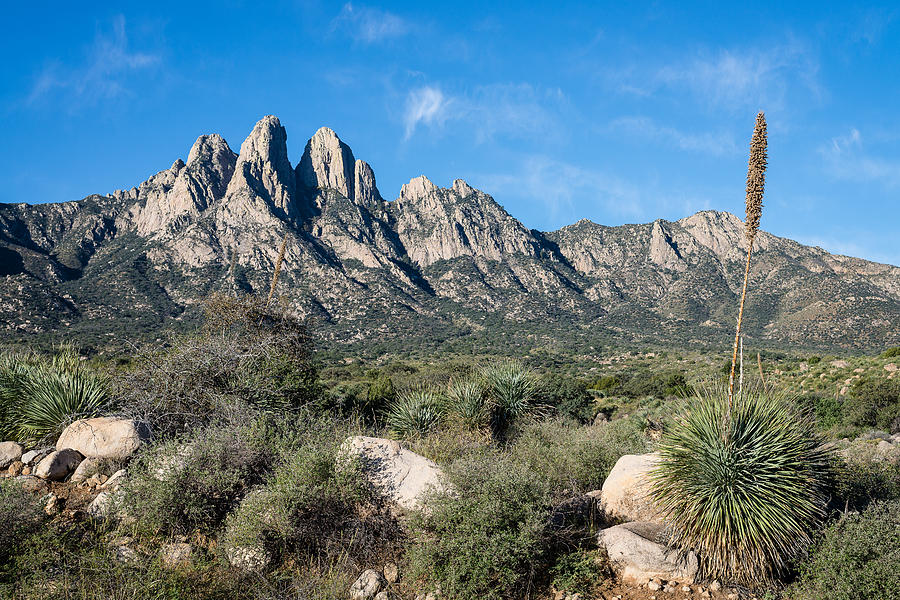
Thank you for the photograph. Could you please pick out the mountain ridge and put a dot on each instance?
(435, 265)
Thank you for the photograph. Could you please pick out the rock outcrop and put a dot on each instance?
(104, 437)
(400, 475)
(9, 453)
(624, 496)
(57, 465)
(638, 553)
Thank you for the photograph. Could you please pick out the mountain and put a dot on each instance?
(435, 266)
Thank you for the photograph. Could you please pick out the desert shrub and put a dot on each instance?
(190, 484)
(246, 352)
(814, 360)
(467, 402)
(827, 408)
(743, 486)
(860, 477)
(567, 396)
(657, 385)
(572, 459)
(380, 394)
(580, 571)
(874, 402)
(510, 386)
(21, 515)
(39, 396)
(857, 558)
(891, 352)
(606, 383)
(314, 505)
(486, 539)
(415, 412)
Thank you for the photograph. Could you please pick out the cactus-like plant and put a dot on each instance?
(415, 412)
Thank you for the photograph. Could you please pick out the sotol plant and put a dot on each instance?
(510, 386)
(467, 402)
(741, 478)
(415, 412)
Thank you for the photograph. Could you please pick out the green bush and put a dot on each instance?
(567, 396)
(488, 538)
(861, 477)
(380, 394)
(415, 412)
(742, 486)
(189, 484)
(580, 571)
(827, 408)
(874, 402)
(572, 459)
(21, 515)
(314, 505)
(891, 352)
(857, 558)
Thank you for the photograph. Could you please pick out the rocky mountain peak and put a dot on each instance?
(263, 168)
(327, 162)
(213, 149)
(462, 188)
(417, 188)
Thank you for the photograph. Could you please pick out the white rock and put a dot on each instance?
(637, 554)
(115, 480)
(34, 456)
(624, 496)
(10, 452)
(367, 585)
(176, 555)
(56, 466)
(88, 468)
(248, 558)
(102, 506)
(399, 474)
(104, 437)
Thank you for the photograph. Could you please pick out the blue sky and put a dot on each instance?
(618, 113)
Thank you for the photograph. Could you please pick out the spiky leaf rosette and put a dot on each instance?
(747, 501)
(756, 176)
(415, 412)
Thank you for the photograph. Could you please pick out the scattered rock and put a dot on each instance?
(383, 594)
(56, 466)
(35, 456)
(248, 558)
(104, 437)
(88, 468)
(367, 585)
(391, 573)
(637, 554)
(124, 554)
(177, 555)
(601, 417)
(399, 474)
(653, 585)
(10, 452)
(15, 468)
(115, 480)
(890, 367)
(53, 505)
(104, 505)
(840, 364)
(30, 483)
(624, 496)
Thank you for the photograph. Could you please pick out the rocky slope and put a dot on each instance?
(435, 265)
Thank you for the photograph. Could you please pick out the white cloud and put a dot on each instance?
(560, 186)
(846, 158)
(109, 60)
(760, 77)
(426, 105)
(511, 109)
(370, 25)
(719, 143)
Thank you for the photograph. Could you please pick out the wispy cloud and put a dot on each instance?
(108, 63)
(755, 77)
(719, 143)
(846, 158)
(560, 187)
(517, 110)
(426, 105)
(369, 25)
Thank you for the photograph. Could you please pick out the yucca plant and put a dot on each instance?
(510, 386)
(415, 412)
(745, 501)
(467, 402)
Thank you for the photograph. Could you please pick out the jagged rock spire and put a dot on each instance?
(263, 168)
(328, 162)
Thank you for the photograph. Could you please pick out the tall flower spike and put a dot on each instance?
(756, 176)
